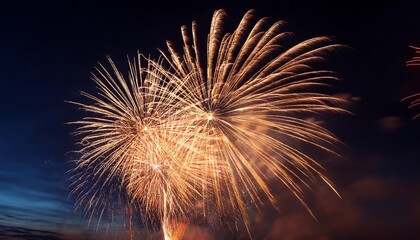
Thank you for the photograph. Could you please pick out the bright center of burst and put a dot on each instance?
(155, 166)
(210, 116)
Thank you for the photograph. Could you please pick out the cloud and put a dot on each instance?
(35, 206)
(373, 207)
(15, 233)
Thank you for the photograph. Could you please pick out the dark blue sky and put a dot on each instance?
(48, 49)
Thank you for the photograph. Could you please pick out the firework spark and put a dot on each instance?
(415, 61)
(210, 129)
(415, 98)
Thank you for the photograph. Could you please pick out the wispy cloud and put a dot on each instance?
(16, 233)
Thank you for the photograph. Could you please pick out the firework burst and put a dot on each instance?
(136, 146)
(210, 126)
(252, 92)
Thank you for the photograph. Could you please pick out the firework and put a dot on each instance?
(252, 92)
(136, 147)
(415, 98)
(210, 127)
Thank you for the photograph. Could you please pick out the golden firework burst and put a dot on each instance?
(212, 127)
(252, 91)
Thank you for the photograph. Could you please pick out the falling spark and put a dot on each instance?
(415, 61)
(210, 127)
(414, 98)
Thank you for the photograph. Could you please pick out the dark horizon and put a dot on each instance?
(48, 51)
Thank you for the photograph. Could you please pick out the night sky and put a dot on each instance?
(49, 49)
